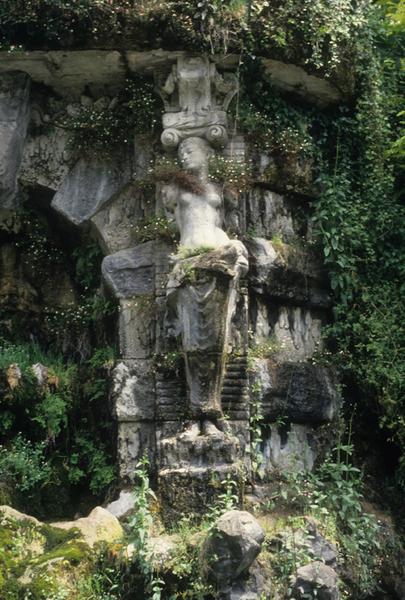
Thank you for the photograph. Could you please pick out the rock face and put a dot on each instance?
(44, 161)
(316, 580)
(300, 392)
(130, 272)
(99, 526)
(232, 546)
(214, 332)
(14, 116)
(87, 187)
(286, 272)
(123, 505)
(68, 73)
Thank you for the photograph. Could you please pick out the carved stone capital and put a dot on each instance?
(196, 98)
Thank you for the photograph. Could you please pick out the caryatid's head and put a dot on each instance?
(194, 154)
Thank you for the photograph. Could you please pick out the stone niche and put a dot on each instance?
(211, 332)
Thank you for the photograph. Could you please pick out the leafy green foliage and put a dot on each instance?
(317, 33)
(24, 464)
(51, 427)
(152, 228)
(140, 525)
(350, 159)
(360, 223)
(333, 494)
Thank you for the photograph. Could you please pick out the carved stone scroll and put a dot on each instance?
(196, 98)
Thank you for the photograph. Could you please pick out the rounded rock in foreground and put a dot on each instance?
(315, 578)
(231, 547)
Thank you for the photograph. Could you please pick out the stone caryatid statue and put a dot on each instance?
(202, 289)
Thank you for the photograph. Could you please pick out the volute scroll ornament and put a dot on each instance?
(196, 98)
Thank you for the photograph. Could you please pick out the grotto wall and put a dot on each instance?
(217, 335)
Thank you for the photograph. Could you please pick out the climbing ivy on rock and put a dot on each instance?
(351, 159)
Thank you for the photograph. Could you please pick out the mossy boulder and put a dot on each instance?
(37, 559)
(99, 526)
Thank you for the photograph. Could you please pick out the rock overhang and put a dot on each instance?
(71, 72)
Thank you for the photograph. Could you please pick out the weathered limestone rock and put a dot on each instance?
(133, 390)
(135, 439)
(288, 448)
(309, 540)
(123, 505)
(199, 446)
(316, 578)
(298, 332)
(270, 214)
(291, 78)
(129, 273)
(300, 392)
(287, 273)
(252, 585)
(88, 186)
(321, 549)
(293, 331)
(45, 159)
(99, 526)
(137, 327)
(14, 117)
(115, 222)
(231, 547)
(69, 73)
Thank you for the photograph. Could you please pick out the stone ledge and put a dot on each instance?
(69, 72)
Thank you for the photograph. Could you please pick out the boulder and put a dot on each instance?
(11, 513)
(99, 526)
(315, 580)
(320, 548)
(14, 117)
(231, 547)
(254, 584)
(309, 540)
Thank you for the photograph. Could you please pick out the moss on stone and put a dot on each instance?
(55, 536)
(73, 551)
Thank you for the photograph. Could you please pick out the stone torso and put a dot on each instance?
(199, 220)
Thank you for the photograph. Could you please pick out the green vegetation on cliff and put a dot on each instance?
(55, 359)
